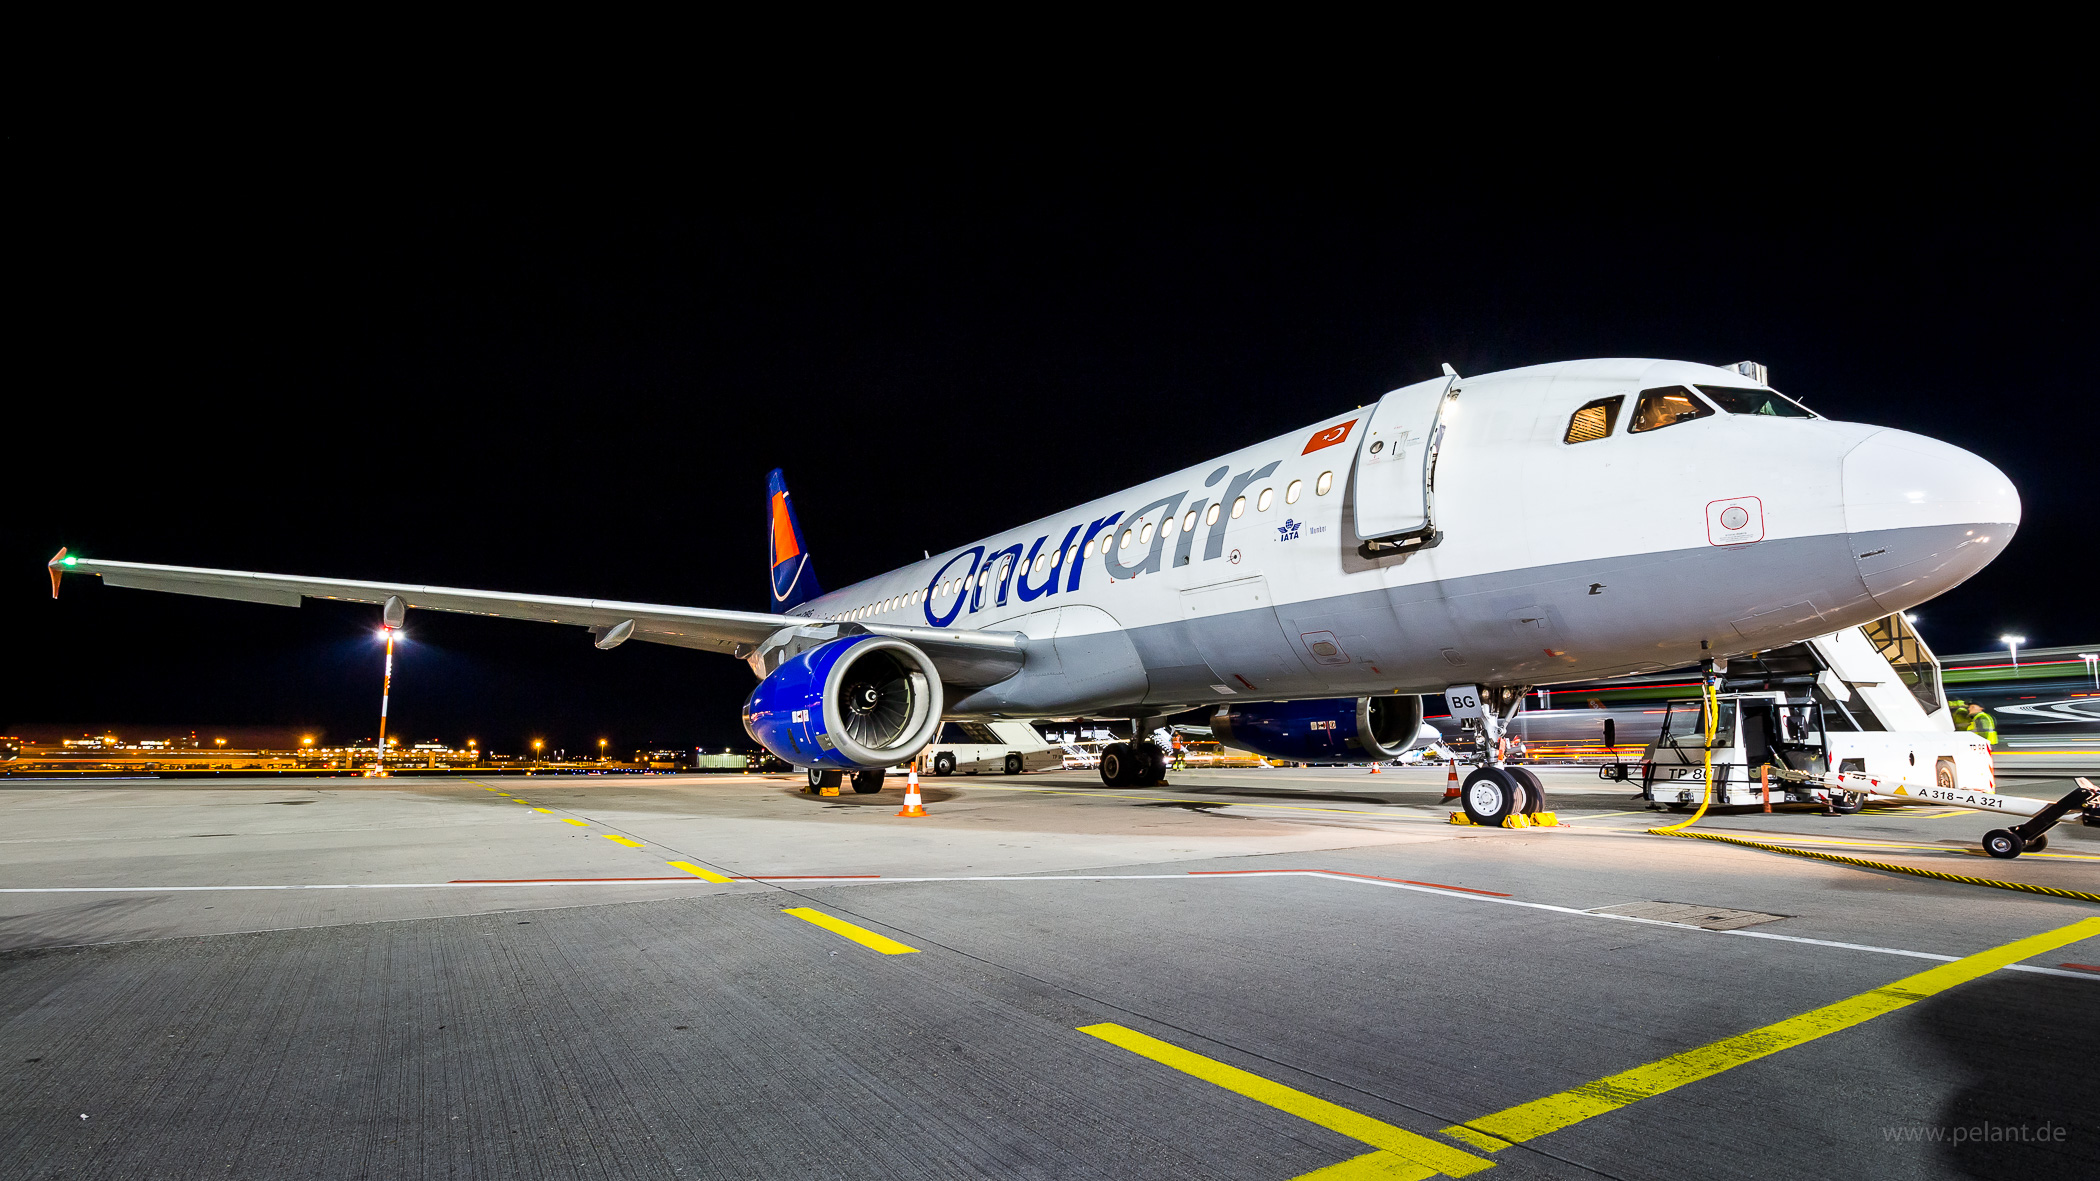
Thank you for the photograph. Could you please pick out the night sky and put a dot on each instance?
(578, 389)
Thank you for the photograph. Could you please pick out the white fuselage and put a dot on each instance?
(1551, 561)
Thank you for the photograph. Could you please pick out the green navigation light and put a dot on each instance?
(70, 561)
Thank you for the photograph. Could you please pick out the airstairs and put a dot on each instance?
(1881, 676)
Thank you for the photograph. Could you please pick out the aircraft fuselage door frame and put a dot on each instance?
(1394, 463)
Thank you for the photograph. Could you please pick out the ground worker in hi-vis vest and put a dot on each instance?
(1970, 716)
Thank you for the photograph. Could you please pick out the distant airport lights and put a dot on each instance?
(2092, 665)
(2012, 644)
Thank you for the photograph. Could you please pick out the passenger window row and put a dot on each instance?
(1057, 558)
(1142, 532)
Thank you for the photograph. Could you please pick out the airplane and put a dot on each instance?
(1469, 536)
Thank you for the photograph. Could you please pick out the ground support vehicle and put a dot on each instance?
(1754, 730)
(1006, 747)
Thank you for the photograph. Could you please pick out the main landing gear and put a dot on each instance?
(1133, 764)
(864, 782)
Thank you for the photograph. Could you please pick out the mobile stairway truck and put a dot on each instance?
(1865, 700)
(1773, 743)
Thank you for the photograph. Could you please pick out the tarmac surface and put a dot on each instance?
(1238, 975)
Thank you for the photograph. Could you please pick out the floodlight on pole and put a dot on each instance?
(392, 614)
(2012, 644)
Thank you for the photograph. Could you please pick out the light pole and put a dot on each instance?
(2092, 665)
(535, 752)
(2012, 644)
(386, 693)
(601, 750)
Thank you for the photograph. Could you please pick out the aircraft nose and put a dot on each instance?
(1923, 515)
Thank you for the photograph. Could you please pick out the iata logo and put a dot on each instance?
(1328, 437)
(1288, 530)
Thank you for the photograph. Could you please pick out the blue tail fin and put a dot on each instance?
(794, 583)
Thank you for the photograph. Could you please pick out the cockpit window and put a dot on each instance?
(1595, 420)
(1667, 406)
(1743, 401)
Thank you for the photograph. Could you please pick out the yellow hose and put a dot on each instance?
(1710, 705)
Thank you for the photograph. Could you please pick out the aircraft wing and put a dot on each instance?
(977, 656)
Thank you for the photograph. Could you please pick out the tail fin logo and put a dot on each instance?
(793, 581)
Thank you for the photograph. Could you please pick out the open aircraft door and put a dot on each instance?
(1395, 467)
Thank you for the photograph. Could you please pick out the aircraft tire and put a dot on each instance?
(944, 763)
(867, 783)
(820, 778)
(1489, 794)
(2002, 844)
(1849, 803)
(1534, 789)
(1152, 764)
(1119, 765)
(2037, 844)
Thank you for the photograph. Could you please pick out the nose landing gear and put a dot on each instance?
(1492, 794)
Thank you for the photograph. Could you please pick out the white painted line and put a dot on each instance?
(1195, 876)
(1466, 897)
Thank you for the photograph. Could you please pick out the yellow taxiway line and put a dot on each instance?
(1401, 1154)
(1397, 1144)
(1528, 1121)
(841, 927)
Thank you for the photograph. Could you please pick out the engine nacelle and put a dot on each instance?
(1338, 729)
(854, 704)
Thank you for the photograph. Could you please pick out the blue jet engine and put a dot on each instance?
(1333, 730)
(854, 704)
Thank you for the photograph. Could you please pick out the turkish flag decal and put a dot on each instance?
(1328, 437)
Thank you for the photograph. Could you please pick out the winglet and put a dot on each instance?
(52, 565)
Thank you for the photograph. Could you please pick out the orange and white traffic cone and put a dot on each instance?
(1451, 783)
(1375, 770)
(912, 806)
